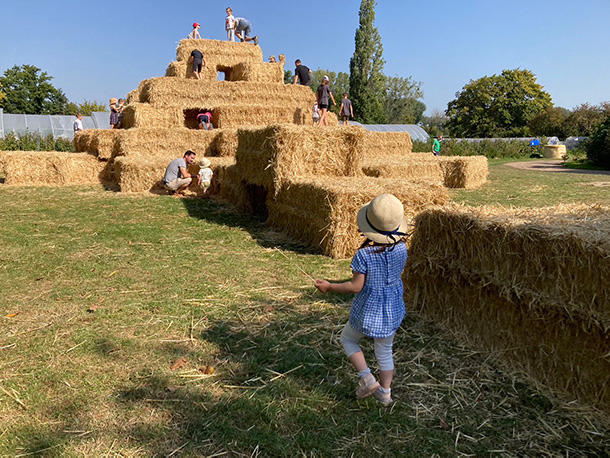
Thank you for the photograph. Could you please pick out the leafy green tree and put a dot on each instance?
(550, 122)
(584, 119)
(28, 90)
(401, 104)
(85, 108)
(435, 124)
(288, 77)
(367, 81)
(2, 94)
(497, 106)
(598, 146)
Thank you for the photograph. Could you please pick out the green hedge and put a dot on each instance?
(489, 148)
(35, 142)
(598, 146)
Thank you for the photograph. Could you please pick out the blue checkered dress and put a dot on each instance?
(379, 308)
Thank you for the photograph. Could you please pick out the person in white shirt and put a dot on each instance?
(230, 25)
(194, 35)
(205, 177)
(78, 123)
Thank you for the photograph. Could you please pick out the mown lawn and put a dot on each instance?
(103, 294)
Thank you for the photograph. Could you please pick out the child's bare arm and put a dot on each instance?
(352, 286)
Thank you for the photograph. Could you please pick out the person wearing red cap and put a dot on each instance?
(194, 35)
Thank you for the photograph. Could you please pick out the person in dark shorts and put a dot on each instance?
(198, 62)
(301, 74)
(324, 95)
(346, 111)
(205, 120)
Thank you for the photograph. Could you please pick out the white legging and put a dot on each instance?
(383, 347)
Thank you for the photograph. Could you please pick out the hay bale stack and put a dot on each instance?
(322, 212)
(142, 115)
(380, 144)
(50, 168)
(104, 143)
(82, 141)
(234, 188)
(271, 156)
(163, 92)
(242, 115)
(453, 171)
(258, 71)
(140, 173)
(531, 284)
(167, 143)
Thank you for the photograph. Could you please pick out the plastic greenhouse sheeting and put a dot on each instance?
(55, 125)
(416, 132)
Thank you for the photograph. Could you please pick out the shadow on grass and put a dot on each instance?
(221, 212)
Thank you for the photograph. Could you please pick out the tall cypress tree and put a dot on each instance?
(367, 81)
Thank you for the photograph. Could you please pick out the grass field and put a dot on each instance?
(146, 325)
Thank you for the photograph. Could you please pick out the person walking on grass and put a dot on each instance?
(230, 24)
(194, 35)
(378, 307)
(198, 62)
(176, 178)
(346, 111)
(243, 29)
(436, 145)
(302, 74)
(323, 96)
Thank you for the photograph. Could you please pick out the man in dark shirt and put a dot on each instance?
(301, 73)
(198, 62)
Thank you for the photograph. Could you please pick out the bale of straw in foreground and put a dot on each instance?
(321, 212)
(167, 143)
(466, 172)
(235, 189)
(561, 253)
(403, 167)
(49, 168)
(271, 156)
(380, 144)
(186, 93)
(560, 348)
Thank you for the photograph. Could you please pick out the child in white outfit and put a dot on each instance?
(378, 307)
(230, 25)
(205, 177)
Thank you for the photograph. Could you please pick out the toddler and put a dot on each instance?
(205, 176)
(378, 307)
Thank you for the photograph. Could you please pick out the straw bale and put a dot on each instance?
(50, 168)
(330, 117)
(271, 156)
(227, 142)
(258, 71)
(554, 151)
(184, 70)
(551, 345)
(140, 173)
(104, 142)
(242, 115)
(322, 212)
(167, 143)
(82, 141)
(133, 96)
(454, 171)
(222, 53)
(560, 254)
(234, 189)
(383, 143)
(142, 115)
(188, 93)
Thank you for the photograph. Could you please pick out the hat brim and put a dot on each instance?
(375, 236)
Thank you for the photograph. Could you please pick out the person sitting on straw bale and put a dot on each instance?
(316, 114)
(346, 110)
(323, 96)
(205, 120)
(198, 62)
(243, 29)
(176, 178)
(114, 113)
(230, 25)
(194, 35)
(205, 176)
(272, 59)
(378, 307)
(78, 123)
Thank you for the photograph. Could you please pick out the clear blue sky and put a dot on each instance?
(100, 49)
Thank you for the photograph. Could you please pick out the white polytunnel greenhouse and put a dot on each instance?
(55, 125)
(416, 132)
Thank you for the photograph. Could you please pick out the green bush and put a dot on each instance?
(598, 146)
(35, 142)
(488, 148)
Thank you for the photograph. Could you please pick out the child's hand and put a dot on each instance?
(322, 285)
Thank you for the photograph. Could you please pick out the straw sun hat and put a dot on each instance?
(382, 220)
(205, 162)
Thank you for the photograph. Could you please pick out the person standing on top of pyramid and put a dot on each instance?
(230, 25)
(243, 29)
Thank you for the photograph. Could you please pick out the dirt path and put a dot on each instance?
(550, 165)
